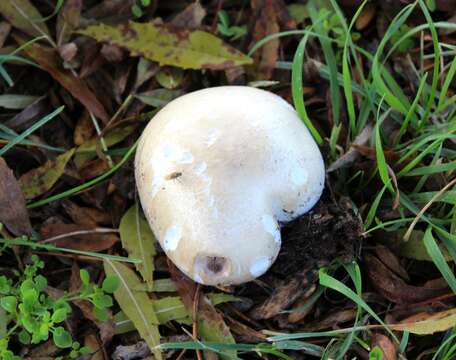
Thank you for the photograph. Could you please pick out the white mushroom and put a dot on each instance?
(218, 170)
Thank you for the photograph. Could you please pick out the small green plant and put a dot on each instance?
(406, 44)
(376, 354)
(137, 7)
(32, 316)
(225, 29)
(333, 25)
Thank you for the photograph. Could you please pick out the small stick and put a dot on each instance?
(195, 312)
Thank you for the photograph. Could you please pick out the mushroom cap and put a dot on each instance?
(217, 171)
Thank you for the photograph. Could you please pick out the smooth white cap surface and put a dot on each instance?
(217, 170)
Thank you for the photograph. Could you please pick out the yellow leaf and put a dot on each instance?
(169, 46)
(425, 323)
(37, 181)
(86, 151)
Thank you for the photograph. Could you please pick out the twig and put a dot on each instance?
(102, 140)
(427, 206)
(194, 318)
(79, 232)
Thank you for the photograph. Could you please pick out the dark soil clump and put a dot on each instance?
(318, 237)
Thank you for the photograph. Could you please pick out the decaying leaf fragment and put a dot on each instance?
(13, 213)
(426, 323)
(21, 13)
(37, 181)
(48, 59)
(170, 46)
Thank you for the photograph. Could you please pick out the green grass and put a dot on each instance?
(425, 122)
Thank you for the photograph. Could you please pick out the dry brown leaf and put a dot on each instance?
(84, 129)
(27, 117)
(191, 17)
(331, 321)
(365, 17)
(210, 323)
(48, 59)
(86, 239)
(94, 168)
(285, 295)
(85, 215)
(393, 288)
(91, 342)
(298, 314)
(247, 333)
(13, 212)
(68, 20)
(384, 342)
(266, 24)
(5, 29)
(352, 154)
(391, 261)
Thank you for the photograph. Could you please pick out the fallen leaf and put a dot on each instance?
(85, 215)
(68, 20)
(167, 309)
(170, 77)
(87, 150)
(21, 14)
(135, 304)
(393, 288)
(5, 29)
(86, 238)
(13, 212)
(212, 328)
(169, 46)
(247, 333)
(285, 295)
(37, 181)
(385, 344)
(93, 168)
(365, 17)
(221, 298)
(139, 350)
(210, 324)
(266, 24)
(145, 70)
(388, 258)
(25, 118)
(68, 53)
(414, 248)
(48, 59)
(91, 342)
(352, 154)
(112, 53)
(159, 285)
(331, 321)
(428, 323)
(139, 241)
(172, 308)
(17, 102)
(158, 97)
(191, 17)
